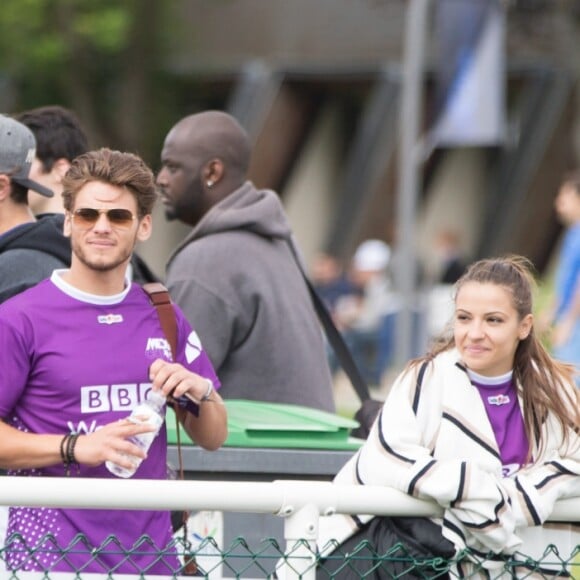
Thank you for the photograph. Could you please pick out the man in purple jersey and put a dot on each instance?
(79, 352)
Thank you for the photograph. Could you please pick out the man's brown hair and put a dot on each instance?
(115, 168)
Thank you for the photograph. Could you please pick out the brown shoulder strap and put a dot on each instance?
(160, 298)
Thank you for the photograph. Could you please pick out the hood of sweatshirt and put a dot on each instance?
(258, 211)
(44, 235)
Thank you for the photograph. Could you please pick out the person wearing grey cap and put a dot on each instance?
(30, 248)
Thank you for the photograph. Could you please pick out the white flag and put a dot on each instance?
(471, 73)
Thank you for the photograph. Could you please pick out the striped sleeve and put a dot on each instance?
(535, 490)
(398, 454)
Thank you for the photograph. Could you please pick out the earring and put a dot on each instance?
(209, 184)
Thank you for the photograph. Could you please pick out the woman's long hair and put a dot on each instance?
(544, 384)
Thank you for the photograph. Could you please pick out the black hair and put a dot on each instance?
(58, 134)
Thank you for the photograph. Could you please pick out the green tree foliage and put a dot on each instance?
(102, 58)
(35, 33)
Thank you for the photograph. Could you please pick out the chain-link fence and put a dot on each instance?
(239, 560)
(547, 551)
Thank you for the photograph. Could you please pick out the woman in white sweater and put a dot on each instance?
(486, 425)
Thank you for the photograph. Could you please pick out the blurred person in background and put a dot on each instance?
(59, 139)
(367, 319)
(236, 273)
(333, 285)
(330, 281)
(446, 267)
(451, 261)
(562, 315)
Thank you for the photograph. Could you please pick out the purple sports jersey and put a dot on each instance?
(501, 404)
(73, 362)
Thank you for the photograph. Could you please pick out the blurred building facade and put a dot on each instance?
(318, 84)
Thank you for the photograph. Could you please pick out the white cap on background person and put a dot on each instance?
(372, 255)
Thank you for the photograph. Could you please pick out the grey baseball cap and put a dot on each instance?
(17, 150)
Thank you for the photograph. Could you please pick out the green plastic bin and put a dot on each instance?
(276, 425)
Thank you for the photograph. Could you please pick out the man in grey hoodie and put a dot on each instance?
(235, 275)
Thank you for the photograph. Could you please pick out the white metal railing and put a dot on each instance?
(301, 503)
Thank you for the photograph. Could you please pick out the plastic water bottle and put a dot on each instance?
(148, 412)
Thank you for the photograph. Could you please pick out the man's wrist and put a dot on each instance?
(188, 403)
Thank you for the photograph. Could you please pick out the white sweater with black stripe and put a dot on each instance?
(433, 441)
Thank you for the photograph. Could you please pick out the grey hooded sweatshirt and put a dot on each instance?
(236, 280)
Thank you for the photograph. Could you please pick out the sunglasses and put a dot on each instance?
(88, 216)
